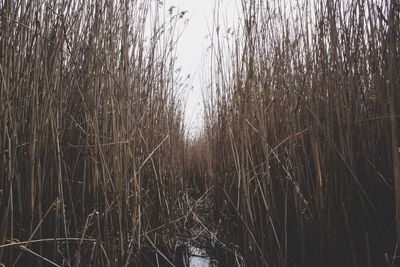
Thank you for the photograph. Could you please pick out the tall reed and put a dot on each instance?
(302, 133)
(89, 130)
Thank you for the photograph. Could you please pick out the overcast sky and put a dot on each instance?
(192, 48)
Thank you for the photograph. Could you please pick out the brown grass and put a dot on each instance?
(89, 126)
(300, 149)
(302, 133)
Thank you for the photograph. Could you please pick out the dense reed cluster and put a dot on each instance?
(90, 132)
(300, 148)
(301, 135)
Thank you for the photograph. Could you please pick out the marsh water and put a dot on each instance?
(197, 244)
(192, 255)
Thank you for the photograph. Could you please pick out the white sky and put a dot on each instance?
(192, 47)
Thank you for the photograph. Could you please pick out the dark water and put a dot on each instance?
(190, 255)
(187, 255)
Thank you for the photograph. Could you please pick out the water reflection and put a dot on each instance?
(193, 256)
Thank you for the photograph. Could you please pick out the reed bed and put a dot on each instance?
(301, 136)
(91, 133)
(300, 150)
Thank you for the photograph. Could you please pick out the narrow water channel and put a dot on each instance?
(197, 250)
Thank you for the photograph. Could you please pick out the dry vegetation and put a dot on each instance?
(302, 133)
(300, 148)
(90, 131)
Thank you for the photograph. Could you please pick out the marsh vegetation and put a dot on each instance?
(298, 163)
